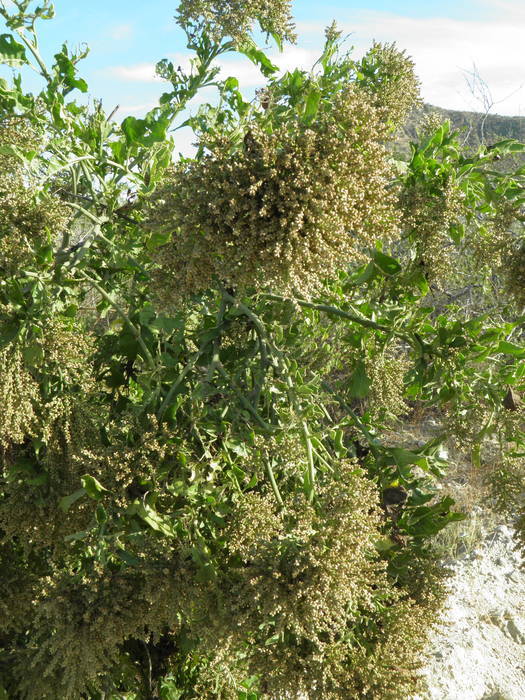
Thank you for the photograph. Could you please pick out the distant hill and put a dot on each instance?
(476, 127)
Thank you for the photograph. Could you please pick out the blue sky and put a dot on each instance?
(445, 38)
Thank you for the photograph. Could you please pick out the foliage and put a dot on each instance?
(198, 361)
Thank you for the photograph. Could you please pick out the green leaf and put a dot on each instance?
(101, 514)
(66, 72)
(157, 239)
(368, 273)
(337, 437)
(65, 503)
(278, 40)
(312, 104)
(8, 332)
(231, 84)
(259, 58)
(359, 386)
(11, 52)
(24, 465)
(384, 544)
(128, 558)
(76, 536)
(94, 488)
(510, 349)
(388, 266)
(404, 458)
(507, 146)
(145, 132)
(157, 522)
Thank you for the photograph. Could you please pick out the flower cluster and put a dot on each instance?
(429, 210)
(286, 211)
(235, 18)
(19, 397)
(386, 373)
(79, 625)
(59, 352)
(513, 268)
(389, 77)
(27, 222)
(57, 410)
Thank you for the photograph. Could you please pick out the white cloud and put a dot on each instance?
(505, 10)
(444, 48)
(140, 109)
(121, 31)
(139, 72)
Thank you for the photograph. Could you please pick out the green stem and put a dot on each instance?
(261, 335)
(322, 459)
(273, 482)
(362, 427)
(310, 473)
(334, 311)
(247, 405)
(191, 364)
(67, 165)
(169, 396)
(38, 58)
(310, 458)
(95, 219)
(261, 331)
(147, 355)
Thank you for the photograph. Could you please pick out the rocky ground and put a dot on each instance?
(478, 652)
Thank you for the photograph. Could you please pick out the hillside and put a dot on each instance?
(476, 127)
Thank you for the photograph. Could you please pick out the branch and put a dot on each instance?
(334, 311)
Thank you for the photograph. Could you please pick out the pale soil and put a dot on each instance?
(479, 651)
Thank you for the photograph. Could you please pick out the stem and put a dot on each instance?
(334, 311)
(67, 165)
(87, 214)
(322, 459)
(362, 427)
(263, 344)
(261, 335)
(310, 473)
(36, 54)
(178, 382)
(310, 458)
(273, 482)
(261, 332)
(191, 364)
(147, 355)
(244, 400)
